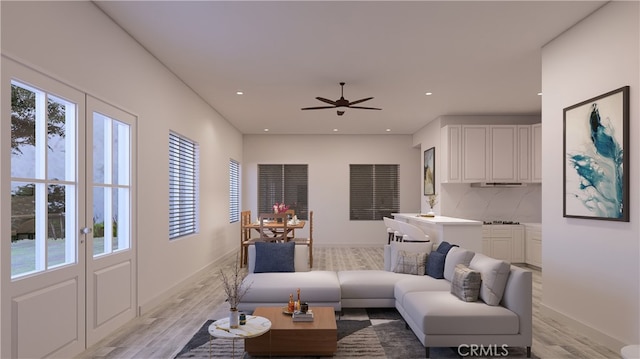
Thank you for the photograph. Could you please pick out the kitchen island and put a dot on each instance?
(464, 232)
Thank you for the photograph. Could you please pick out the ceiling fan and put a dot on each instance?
(342, 102)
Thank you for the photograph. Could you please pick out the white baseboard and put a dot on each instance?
(152, 303)
(582, 328)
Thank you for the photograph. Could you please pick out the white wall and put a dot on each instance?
(328, 158)
(460, 200)
(591, 267)
(77, 44)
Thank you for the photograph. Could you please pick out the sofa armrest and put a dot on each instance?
(518, 297)
(301, 258)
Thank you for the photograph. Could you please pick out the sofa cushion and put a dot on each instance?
(435, 265)
(410, 263)
(441, 313)
(375, 284)
(410, 284)
(411, 247)
(466, 283)
(455, 256)
(494, 273)
(315, 287)
(274, 257)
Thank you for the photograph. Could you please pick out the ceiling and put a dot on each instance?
(475, 57)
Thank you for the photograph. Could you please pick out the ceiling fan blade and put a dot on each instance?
(317, 108)
(365, 108)
(359, 101)
(330, 102)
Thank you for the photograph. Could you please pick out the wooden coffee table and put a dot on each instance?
(289, 338)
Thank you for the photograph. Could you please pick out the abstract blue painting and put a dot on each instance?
(596, 168)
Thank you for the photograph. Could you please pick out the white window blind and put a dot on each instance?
(283, 184)
(374, 191)
(234, 191)
(183, 186)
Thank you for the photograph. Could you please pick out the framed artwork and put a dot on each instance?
(430, 171)
(596, 163)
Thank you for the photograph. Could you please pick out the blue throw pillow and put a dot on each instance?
(444, 247)
(435, 265)
(275, 257)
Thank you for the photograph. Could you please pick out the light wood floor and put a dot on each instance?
(164, 330)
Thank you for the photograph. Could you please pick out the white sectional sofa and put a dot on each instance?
(436, 316)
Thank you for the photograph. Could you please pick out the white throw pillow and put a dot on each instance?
(494, 274)
(411, 247)
(455, 256)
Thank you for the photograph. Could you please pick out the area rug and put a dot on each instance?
(362, 333)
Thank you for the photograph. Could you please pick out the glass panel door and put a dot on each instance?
(43, 181)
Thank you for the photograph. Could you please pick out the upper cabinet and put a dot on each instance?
(503, 153)
(536, 152)
(475, 154)
(450, 154)
(490, 153)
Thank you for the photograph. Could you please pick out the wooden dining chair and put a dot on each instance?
(308, 241)
(245, 236)
(267, 231)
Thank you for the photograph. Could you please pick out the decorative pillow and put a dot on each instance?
(274, 257)
(456, 256)
(413, 247)
(444, 247)
(494, 274)
(435, 265)
(466, 283)
(410, 263)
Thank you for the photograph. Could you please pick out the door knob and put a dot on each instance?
(85, 230)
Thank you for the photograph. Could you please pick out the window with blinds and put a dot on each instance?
(183, 186)
(283, 184)
(234, 191)
(374, 191)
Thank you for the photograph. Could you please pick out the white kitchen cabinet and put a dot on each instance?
(475, 154)
(505, 242)
(490, 153)
(450, 153)
(536, 153)
(517, 245)
(524, 160)
(503, 153)
(533, 240)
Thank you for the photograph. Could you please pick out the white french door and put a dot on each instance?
(63, 179)
(111, 256)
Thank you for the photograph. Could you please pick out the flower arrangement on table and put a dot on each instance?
(432, 200)
(233, 286)
(280, 207)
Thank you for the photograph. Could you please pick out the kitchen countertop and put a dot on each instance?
(442, 220)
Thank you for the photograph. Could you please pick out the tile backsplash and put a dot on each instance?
(520, 204)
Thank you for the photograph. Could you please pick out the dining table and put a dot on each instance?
(275, 226)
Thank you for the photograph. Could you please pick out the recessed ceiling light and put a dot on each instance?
(266, 130)
(239, 93)
(335, 130)
(429, 93)
(388, 130)
(539, 93)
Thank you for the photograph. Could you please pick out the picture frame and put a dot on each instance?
(429, 171)
(596, 158)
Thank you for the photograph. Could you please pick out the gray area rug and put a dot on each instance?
(362, 333)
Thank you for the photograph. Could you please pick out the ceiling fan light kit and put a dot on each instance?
(342, 102)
